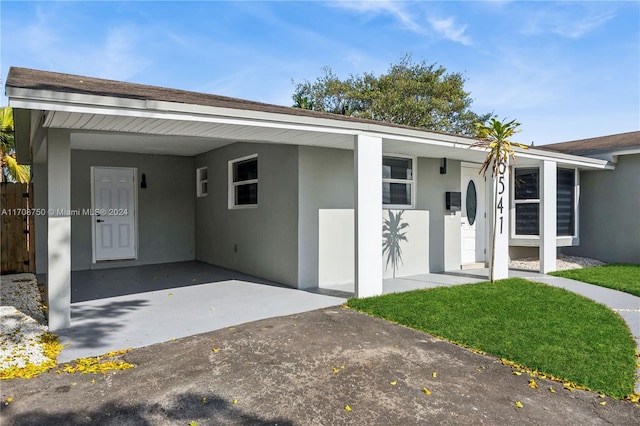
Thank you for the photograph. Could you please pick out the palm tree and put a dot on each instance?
(494, 137)
(393, 235)
(10, 168)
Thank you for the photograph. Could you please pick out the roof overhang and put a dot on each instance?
(160, 127)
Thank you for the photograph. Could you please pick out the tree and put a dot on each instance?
(11, 170)
(412, 94)
(494, 137)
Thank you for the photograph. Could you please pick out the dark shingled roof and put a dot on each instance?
(599, 144)
(26, 78)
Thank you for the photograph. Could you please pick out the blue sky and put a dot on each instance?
(565, 70)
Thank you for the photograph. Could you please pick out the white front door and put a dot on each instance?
(114, 194)
(473, 215)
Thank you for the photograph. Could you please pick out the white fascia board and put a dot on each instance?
(566, 159)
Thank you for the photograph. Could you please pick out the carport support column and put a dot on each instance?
(59, 229)
(548, 219)
(368, 215)
(500, 240)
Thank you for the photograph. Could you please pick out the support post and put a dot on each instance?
(368, 216)
(500, 241)
(59, 229)
(548, 219)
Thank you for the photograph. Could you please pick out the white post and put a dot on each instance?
(59, 229)
(548, 231)
(501, 223)
(368, 215)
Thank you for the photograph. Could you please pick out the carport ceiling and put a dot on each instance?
(188, 138)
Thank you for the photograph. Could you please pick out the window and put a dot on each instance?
(243, 182)
(527, 201)
(201, 182)
(398, 180)
(565, 208)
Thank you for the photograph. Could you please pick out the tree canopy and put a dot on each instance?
(9, 167)
(412, 94)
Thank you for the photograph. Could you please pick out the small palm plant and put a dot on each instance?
(393, 235)
(15, 172)
(494, 137)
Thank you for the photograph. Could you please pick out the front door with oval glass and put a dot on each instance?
(473, 215)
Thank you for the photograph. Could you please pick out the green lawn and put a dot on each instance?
(618, 277)
(541, 327)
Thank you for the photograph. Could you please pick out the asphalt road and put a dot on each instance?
(305, 369)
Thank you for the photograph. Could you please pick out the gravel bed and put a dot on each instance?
(21, 321)
(562, 263)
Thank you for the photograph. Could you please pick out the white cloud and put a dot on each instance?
(573, 20)
(53, 41)
(394, 8)
(447, 27)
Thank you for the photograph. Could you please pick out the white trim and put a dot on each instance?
(412, 182)
(135, 212)
(199, 181)
(103, 105)
(232, 185)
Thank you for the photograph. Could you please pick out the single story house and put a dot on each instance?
(610, 199)
(128, 174)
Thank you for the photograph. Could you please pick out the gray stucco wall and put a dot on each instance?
(610, 213)
(444, 226)
(260, 241)
(166, 208)
(326, 181)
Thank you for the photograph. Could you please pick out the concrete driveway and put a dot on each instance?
(133, 307)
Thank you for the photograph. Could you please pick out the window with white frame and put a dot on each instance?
(201, 182)
(526, 188)
(526, 191)
(243, 182)
(398, 182)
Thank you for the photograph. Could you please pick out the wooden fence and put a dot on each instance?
(17, 231)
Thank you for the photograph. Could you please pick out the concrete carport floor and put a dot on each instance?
(121, 308)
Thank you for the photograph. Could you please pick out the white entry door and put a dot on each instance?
(473, 215)
(114, 213)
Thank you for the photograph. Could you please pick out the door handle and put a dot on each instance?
(100, 220)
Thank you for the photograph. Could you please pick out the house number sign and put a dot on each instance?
(502, 167)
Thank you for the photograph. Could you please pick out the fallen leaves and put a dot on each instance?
(519, 404)
(533, 384)
(393, 383)
(426, 391)
(51, 347)
(347, 408)
(98, 364)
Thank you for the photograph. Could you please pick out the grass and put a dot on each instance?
(540, 327)
(618, 277)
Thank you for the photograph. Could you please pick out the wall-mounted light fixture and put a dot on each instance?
(443, 166)
(143, 181)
